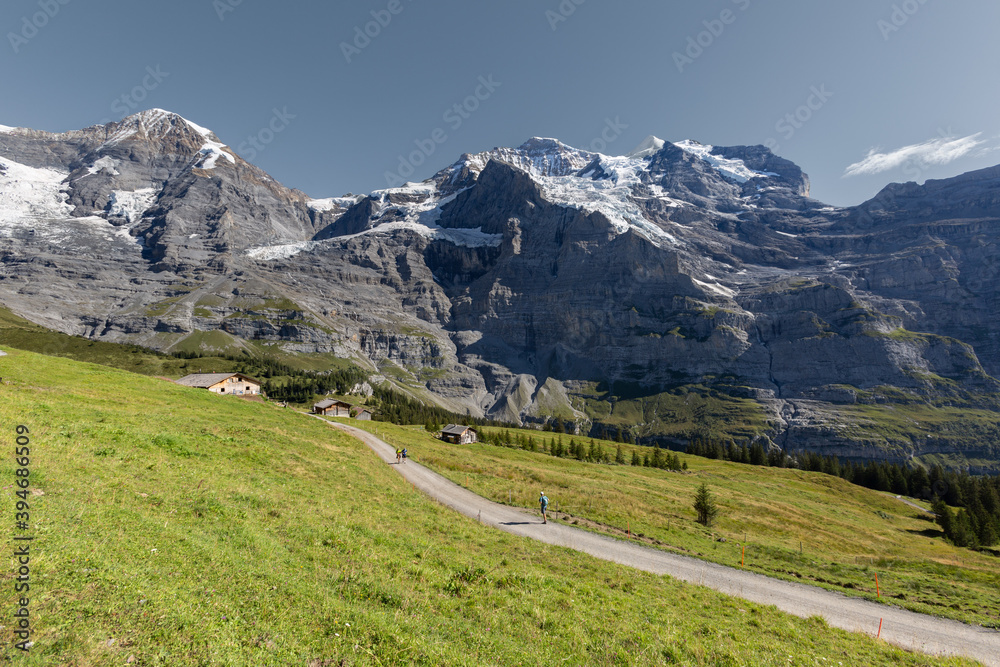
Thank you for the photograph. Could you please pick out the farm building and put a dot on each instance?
(332, 408)
(459, 435)
(363, 414)
(235, 384)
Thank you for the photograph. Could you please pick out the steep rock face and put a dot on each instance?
(189, 199)
(516, 280)
(932, 249)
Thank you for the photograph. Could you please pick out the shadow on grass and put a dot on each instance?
(927, 532)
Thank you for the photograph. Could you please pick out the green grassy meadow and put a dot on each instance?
(796, 525)
(176, 527)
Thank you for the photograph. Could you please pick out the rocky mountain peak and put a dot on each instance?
(648, 147)
(157, 125)
(537, 156)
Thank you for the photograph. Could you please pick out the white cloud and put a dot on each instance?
(936, 151)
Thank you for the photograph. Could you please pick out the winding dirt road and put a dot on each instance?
(907, 629)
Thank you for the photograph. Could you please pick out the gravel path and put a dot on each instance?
(910, 630)
(914, 505)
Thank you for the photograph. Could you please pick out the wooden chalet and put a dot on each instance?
(459, 435)
(332, 408)
(235, 384)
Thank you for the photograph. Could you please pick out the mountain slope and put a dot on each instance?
(531, 282)
(216, 530)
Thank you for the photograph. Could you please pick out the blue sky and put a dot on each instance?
(344, 97)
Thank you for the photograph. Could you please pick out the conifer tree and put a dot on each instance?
(657, 461)
(705, 506)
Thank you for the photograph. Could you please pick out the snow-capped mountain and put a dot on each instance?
(519, 282)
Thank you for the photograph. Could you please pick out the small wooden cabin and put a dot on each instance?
(332, 408)
(235, 384)
(459, 435)
(363, 414)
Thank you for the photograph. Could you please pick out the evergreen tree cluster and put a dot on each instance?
(754, 454)
(392, 406)
(580, 450)
(662, 459)
(976, 523)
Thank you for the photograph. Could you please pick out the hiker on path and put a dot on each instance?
(399, 455)
(544, 502)
(404, 454)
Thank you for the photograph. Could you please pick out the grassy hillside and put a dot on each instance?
(675, 415)
(796, 525)
(20, 333)
(175, 527)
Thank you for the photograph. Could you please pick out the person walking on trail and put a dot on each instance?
(404, 454)
(543, 501)
(399, 455)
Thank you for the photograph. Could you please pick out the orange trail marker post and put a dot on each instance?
(744, 556)
(879, 635)
(878, 593)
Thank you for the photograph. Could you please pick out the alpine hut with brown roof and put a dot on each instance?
(332, 408)
(459, 435)
(236, 384)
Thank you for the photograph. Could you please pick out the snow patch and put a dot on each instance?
(422, 217)
(715, 287)
(649, 147)
(730, 168)
(34, 200)
(539, 156)
(212, 151)
(6, 129)
(130, 205)
(469, 238)
(791, 236)
(661, 194)
(330, 203)
(29, 194)
(611, 196)
(284, 251)
(203, 131)
(409, 188)
(108, 163)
